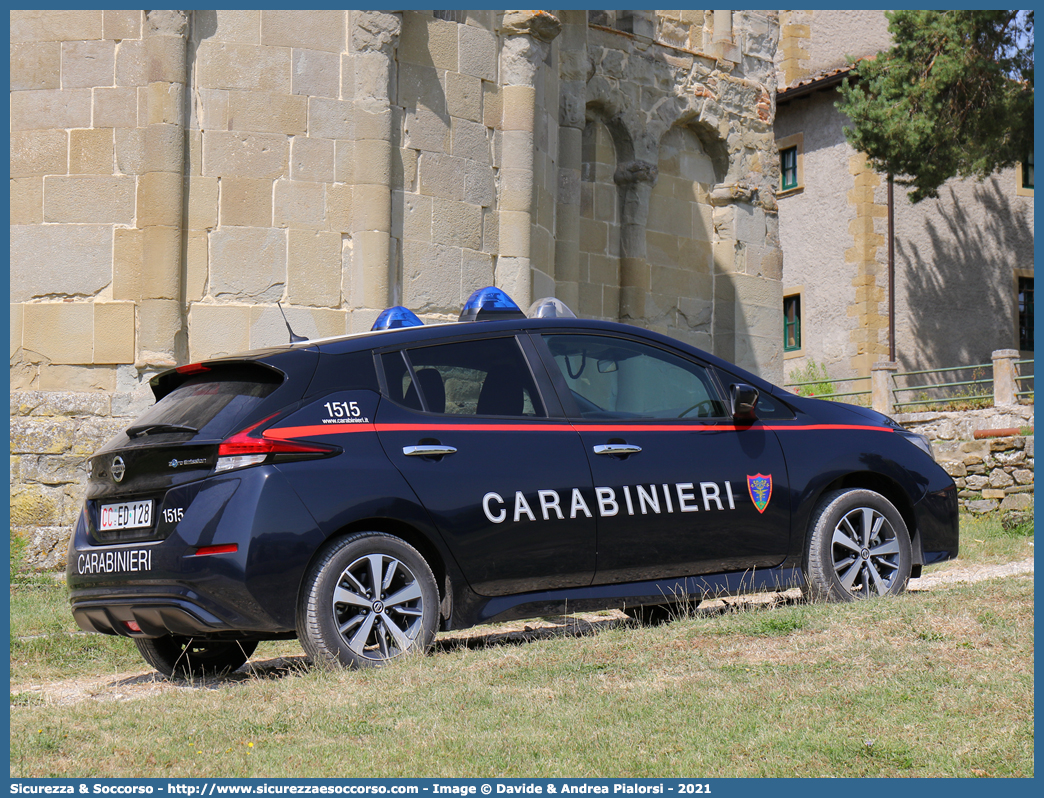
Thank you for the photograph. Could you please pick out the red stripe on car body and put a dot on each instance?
(285, 433)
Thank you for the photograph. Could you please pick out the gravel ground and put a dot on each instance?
(974, 573)
(144, 685)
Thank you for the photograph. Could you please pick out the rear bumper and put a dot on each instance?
(152, 617)
(165, 587)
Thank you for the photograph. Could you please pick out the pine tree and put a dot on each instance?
(953, 97)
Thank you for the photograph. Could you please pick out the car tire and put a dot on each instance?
(858, 547)
(173, 655)
(343, 621)
(659, 614)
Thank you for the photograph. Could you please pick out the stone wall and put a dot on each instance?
(598, 263)
(991, 473)
(52, 435)
(176, 174)
(444, 220)
(813, 42)
(699, 261)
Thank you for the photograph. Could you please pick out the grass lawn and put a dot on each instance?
(936, 683)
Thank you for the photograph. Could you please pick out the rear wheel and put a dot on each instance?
(186, 656)
(858, 547)
(368, 598)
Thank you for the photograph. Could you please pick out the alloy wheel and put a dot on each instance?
(865, 552)
(378, 607)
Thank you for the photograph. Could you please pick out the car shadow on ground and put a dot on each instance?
(255, 670)
(520, 633)
(547, 628)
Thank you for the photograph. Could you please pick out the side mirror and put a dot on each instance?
(743, 399)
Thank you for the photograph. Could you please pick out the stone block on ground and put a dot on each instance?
(1017, 501)
(1016, 519)
(981, 506)
(45, 547)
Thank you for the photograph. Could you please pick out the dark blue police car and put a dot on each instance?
(361, 493)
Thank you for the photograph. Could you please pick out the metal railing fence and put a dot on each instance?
(925, 387)
(1021, 378)
(1000, 383)
(790, 386)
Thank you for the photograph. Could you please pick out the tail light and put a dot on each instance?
(248, 447)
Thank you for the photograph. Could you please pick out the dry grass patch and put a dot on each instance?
(932, 684)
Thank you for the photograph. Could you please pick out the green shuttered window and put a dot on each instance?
(789, 168)
(792, 323)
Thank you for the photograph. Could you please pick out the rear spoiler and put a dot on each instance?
(230, 369)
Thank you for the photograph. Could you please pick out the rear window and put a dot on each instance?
(211, 404)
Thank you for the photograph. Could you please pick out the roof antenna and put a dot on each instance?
(294, 338)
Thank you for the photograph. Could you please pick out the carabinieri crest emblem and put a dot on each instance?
(760, 488)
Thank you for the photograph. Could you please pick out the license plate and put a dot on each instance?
(129, 515)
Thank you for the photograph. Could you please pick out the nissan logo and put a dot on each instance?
(119, 468)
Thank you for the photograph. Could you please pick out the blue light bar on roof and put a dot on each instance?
(490, 304)
(396, 317)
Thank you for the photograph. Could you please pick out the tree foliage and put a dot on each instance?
(953, 97)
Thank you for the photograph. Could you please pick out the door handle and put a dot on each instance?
(617, 448)
(427, 450)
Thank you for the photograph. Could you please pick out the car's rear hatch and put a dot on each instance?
(173, 444)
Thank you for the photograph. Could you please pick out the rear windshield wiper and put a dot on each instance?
(149, 429)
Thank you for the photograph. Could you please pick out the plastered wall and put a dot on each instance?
(957, 258)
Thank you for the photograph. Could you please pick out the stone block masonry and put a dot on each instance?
(52, 435)
(400, 132)
(991, 473)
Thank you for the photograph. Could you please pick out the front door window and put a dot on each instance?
(616, 378)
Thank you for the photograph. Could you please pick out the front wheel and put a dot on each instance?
(858, 547)
(186, 656)
(368, 598)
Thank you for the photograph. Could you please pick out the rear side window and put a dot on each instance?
(213, 404)
(399, 377)
(486, 377)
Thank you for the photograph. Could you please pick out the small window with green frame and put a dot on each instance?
(791, 163)
(788, 168)
(792, 323)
